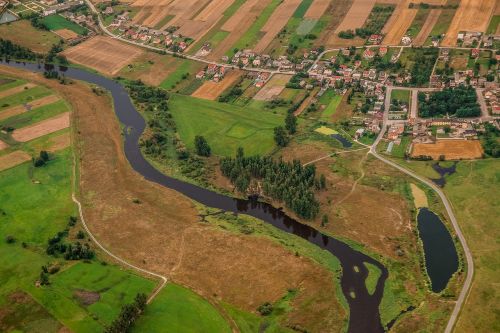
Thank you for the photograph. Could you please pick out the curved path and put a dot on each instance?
(468, 256)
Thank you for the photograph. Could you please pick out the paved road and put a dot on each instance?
(468, 256)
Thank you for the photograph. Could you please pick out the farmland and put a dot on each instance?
(211, 90)
(57, 22)
(104, 54)
(226, 127)
(450, 149)
(22, 33)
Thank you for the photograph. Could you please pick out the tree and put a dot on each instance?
(265, 309)
(324, 220)
(291, 123)
(202, 147)
(280, 136)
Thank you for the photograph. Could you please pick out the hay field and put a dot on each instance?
(42, 128)
(3, 145)
(419, 197)
(65, 34)
(427, 27)
(273, 88)
(103, 54)
(15, 158)
(18, 109)
(398, 23)
(317, 9)
(211, 90)
(451, 149)
(357, 15)
(275, 23)
(471, 15)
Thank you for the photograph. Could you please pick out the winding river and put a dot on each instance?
(364, 313)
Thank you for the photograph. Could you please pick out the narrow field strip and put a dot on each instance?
(3, 145)
(19, 109)
(15, 90)
(42, 128)
(15, 158)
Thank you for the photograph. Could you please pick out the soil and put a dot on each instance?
(16, 110)
(399, 23)
(12, 159)
(42, 128)
(356, 16)
(15, 90)
(211, 90)
(273, 87)
(317, 9)
(85, 297)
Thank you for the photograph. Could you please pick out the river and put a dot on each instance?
(364, 313)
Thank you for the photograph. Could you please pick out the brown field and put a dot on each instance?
(451, 149)
(317, 9)
(23, 33)
(419, 196)
(3, 145)
(42, 128)
(14, 111)
(276, 22)
(238, 24)
(471, 15)
(15, 90)
(150, 67)
(243, 270)
(66, 34)
(104, 54)
(273, 87)
(205, 20)
(398, 23)
(431, 20)
(15, 158)
(357, 15)
(211, 90)
(59, 142)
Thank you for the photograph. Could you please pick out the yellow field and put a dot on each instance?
(450, 149)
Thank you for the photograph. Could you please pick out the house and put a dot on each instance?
(368, 54)
(475, 53)
(375, 39)
(359, 133)
(109, 10)
(406, 40)
(200, 75)
(382, 51)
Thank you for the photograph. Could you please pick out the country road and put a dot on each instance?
(468, 256)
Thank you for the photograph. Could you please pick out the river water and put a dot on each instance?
(364, 316)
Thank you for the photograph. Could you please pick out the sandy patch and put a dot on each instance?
(211, 90)
(15, 90)
(104, 54)
(356, 16)
(15, 158)
(273, 88)
(42, 128)
(451, 149)
(419, 197)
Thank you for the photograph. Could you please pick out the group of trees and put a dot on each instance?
(9, 50)
(424, 60)
(490, 140)
(289, 182)
(202, 147)
(41, 160)
(75, 251)
(128, 315)
(294, 82)
(460, 102)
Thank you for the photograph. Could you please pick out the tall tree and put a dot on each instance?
(202, 147)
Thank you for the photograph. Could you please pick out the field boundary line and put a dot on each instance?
(163, 279)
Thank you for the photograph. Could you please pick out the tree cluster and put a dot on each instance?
(75, 251)
(490, 140)
(9, 50)
(294, 82)
(424, 60)
(202, 147)
(460, 102)
(289, 182)
(128, 315)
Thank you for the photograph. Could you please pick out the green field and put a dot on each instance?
(36, 115)
(226, 127)
(331, 108)
(372, 278)
(183, 70)
(57, 22)
(23, 97)
(177, 309)
(492, 27)
(401, 95)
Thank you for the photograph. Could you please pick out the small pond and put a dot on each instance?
(441, 259)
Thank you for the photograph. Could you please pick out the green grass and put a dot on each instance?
(372, 278)
(10, 83)
(36, 115)
(492, 27)
(177, 309)
(401, 95)
(302, 9)
(252, 35)
(185, 67)
(331, 108)
(56, 22)
(226, 127)
(306, 26)
(399, 150)
(23, 97)
(418, 22)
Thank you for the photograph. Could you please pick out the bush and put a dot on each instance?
(10, 239)
(265, 309)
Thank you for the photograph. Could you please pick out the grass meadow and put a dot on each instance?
(226, 127)
(57, 22)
